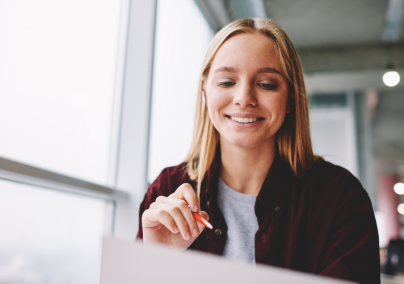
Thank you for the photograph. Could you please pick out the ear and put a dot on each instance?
(204, 97)
(203, 91)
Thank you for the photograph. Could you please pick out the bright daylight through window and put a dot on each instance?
(177, 63)
(57, 76)
(59, 82)
(49, 236)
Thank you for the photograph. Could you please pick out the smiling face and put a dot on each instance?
(246, 91)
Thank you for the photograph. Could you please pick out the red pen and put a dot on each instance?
(202, 220)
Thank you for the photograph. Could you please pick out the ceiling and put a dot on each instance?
(329, 22)
(311, 22)
(330, 35)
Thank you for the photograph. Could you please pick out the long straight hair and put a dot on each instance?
(293, 138)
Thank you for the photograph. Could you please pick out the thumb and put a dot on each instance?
(204, 215)
(200, 225)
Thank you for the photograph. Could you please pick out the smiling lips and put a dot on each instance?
(245, 119)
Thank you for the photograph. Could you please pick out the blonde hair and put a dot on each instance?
(293, 138)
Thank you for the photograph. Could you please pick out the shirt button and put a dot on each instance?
(277, 208)
(218, 232)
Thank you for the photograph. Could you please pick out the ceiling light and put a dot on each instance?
(399, 188)
(400, 208)
(391, 78)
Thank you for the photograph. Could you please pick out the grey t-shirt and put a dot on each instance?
(242, 224)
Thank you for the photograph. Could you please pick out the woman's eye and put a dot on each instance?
(226, 84)
(268, 86)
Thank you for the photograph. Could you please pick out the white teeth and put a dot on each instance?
(243, 120)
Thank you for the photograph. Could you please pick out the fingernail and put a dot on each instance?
(195, 208)
(176, 230)
(195, 231)
(187, 236)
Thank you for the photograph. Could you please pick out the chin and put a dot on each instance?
(245, 142)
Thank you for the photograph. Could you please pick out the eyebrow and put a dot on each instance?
(269, 70)
(226, 69)
(261, 70)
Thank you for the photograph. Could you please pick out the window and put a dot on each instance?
(182, 39)
(60, 85)
(332, 129)
(57, 82)
(48, 236)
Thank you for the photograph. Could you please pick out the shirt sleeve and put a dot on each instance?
(156, 189)
(353, 251)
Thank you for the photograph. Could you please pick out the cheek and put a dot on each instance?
(283, 104)
(216, 103)
(277, 105)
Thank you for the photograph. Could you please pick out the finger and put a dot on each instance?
(204, 215)
(160, 199)
(202, 220)
(186, 192)
(154, 205)
(187, 214)
(200, 225)
(164, 218)
(159, 216)
(180, 221)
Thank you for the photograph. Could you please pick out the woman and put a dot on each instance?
(252, 172)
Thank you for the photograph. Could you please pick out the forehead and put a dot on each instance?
(247, 51)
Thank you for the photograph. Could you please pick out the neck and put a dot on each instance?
(245, 169)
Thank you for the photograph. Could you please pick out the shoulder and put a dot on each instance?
(332, 181)
(169, 180)
(322, 170)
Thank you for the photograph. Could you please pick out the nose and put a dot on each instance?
(244, 96)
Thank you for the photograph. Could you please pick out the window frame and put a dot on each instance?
(127, 180)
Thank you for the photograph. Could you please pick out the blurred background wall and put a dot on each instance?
(97, 97)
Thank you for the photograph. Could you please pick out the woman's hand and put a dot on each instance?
(169, 220)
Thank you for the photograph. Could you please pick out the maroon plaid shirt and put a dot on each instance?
(320, 223)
